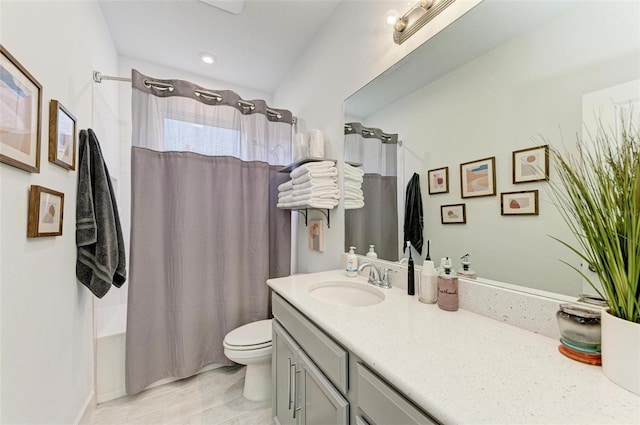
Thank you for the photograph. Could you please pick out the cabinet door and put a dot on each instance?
(320, 401)
(283, 369)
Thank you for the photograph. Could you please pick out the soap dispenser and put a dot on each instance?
(352, 262)
(466, 271)
(447, 288)
(372, 252)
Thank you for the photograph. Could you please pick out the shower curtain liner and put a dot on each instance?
(205, 232)
(377, 222)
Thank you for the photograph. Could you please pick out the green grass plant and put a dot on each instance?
(598, 196)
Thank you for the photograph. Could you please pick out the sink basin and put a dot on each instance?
(345, 293)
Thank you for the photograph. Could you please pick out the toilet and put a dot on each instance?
(251, 345)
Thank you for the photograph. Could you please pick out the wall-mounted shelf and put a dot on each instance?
(289, 168)
(305, 212)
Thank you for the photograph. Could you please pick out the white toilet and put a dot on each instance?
(251, 345)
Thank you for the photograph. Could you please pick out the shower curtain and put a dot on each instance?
(205, 230)
(377, 222)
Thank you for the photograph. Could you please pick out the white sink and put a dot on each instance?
(345, 293)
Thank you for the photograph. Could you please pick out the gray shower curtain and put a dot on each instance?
(205, 232)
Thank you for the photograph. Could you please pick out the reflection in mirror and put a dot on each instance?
(493, 82)
(370, 172)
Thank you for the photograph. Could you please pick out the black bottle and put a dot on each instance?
(411, 284)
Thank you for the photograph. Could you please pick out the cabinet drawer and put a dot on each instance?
(332, 359)
(381, 404)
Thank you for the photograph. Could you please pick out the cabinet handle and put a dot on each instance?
(289, 381)
(295, 391)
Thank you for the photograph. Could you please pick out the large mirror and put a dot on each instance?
(506, 76)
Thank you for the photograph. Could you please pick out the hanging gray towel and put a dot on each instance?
(413, 223)
(101, 256)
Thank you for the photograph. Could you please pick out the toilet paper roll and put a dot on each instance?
(316, 143)
(300, 146)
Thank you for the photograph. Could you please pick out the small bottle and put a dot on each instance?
(411, 276)
(447, 288)
(428, 287)
(372, 252)
(466, 271)
(352, 262)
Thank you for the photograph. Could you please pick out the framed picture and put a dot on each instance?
(62, 136)
(46, 208)
(316, 235)
(531, 164)
(21, 106)
(519, 203)
(439, 180)
(478, 178)
(453, 214)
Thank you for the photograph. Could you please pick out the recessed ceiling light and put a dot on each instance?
(207, 58)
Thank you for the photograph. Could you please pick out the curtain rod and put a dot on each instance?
(98, 77)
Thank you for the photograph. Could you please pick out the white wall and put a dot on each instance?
(46, 317)
(349, 51)
(501, 102)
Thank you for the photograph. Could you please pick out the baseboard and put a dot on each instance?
(103, 398)
(86, 413)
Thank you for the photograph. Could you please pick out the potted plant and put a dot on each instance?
(598, 196)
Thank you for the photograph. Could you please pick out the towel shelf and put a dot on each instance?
(289, 168)
(304, 211)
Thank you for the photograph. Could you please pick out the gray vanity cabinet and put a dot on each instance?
(302, 394)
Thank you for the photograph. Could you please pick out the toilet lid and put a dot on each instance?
(251, 334)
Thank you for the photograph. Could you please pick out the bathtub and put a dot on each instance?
(111, 326)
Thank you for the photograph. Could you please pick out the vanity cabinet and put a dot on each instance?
(316, 381)
(302, 394)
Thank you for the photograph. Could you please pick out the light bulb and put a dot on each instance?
(390, 19)
(207, 58)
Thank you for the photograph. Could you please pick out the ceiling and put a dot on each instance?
(255, 48)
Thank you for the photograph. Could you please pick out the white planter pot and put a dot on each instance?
(621, 351)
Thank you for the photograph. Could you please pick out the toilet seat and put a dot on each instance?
(252, 336)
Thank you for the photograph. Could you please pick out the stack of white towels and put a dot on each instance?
(314, 184)
(353, 195)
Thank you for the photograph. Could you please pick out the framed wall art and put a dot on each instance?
(519, 203)
(316, 235)
(62, 136)
(20, 106)
(453, 214)
(46, 209)
(531, 164)
(439, 180)
(478, 178)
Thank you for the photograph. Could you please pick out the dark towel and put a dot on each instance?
(413, 224)
(101, 256)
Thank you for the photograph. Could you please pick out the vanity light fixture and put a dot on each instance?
(207, 58)
(405, 28)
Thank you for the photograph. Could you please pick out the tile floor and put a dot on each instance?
(211, 398)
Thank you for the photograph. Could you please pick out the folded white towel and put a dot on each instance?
(352, 191)
(354, 179)
(312, 166)
(353, 205)
(311, 203)
(331, 172)
(286, 199)
(286, 186)
(353, 171)
(327, 196)
(353, 197)
(285, 193)
(318, 183)
(317, 191)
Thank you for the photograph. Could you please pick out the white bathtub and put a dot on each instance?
(111, 325)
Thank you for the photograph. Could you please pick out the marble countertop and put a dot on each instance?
(462, 367)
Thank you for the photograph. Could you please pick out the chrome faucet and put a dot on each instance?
(377, 277)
